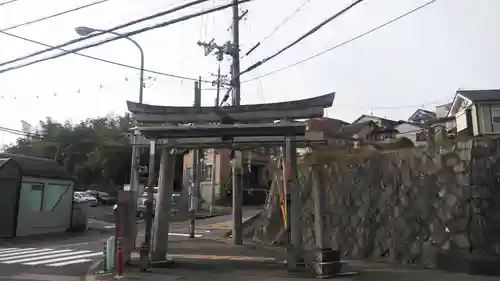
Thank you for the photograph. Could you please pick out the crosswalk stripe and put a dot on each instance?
(68, 262)
(7, 250)
(64, 258)
(19, 252)
(35, 254)
(46, 257)
(184, 235)
(16, 250)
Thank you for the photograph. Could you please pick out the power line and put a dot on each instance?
(310, 32)
(277, 28)
(106, 61)
(8, 2)
(343, 43)
(169, 11)
(83, 55)
(18, 132)
(167, 23)
(54, 15)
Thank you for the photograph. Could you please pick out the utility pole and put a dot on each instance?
(218, 82)
(214, 154)
(220, 51)
(201, 155)
(194, 185)
(235, 83)
(233, 50)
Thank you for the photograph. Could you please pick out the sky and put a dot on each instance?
(416, 62)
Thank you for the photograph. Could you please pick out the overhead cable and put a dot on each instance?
(131, 33)
(99, 33)
(8, 2)
(309, 33)
(343, 43)
(108, 61)
(55, 15)
(277, 28)
(127, 34)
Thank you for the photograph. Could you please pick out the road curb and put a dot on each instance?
(245, 224)
(90, 275)
(212, 216)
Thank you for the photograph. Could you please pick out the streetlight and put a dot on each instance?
(85, 31)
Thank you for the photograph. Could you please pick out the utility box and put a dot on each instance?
(125, 223)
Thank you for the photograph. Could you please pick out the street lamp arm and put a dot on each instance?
(141, 78)
(128, 38)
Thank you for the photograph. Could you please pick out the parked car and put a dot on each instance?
(103, 198)
(141, 204)
(85, 197)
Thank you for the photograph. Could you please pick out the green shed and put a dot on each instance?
(37, 196)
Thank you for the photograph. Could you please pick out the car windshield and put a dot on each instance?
(104, 194)
(86, 194)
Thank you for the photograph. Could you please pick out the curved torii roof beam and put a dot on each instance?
(298, 109)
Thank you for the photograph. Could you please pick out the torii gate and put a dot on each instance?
(237, 127)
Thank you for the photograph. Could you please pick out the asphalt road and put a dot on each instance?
(69, 256)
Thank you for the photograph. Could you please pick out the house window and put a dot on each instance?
(495, 115)
(36, 196)
(207, 172)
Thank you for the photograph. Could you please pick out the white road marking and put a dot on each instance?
(69, 262)
(63, 259)
(18, 252)
(8, 249)
(184, 234)
(38, 253)
(46, 257)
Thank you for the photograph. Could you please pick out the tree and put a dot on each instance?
(95, 151)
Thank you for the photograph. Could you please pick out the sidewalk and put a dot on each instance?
(205, 259)
(104, 226)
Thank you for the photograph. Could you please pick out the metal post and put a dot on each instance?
(106, 256)
(163, 204)
(119, 266)
(235, 81)
(134, 186)
(193, 195)
(286, 194)
(199, 176)
(218, 87)
(213, 181)
(193, 185)
(294, 209)
(237, 201)
(236, 53)
(201, 155)
(150, 198)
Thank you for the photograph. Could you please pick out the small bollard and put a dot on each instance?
(119, 259)
(105, 254)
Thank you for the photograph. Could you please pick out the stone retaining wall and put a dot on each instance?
(409, 204)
